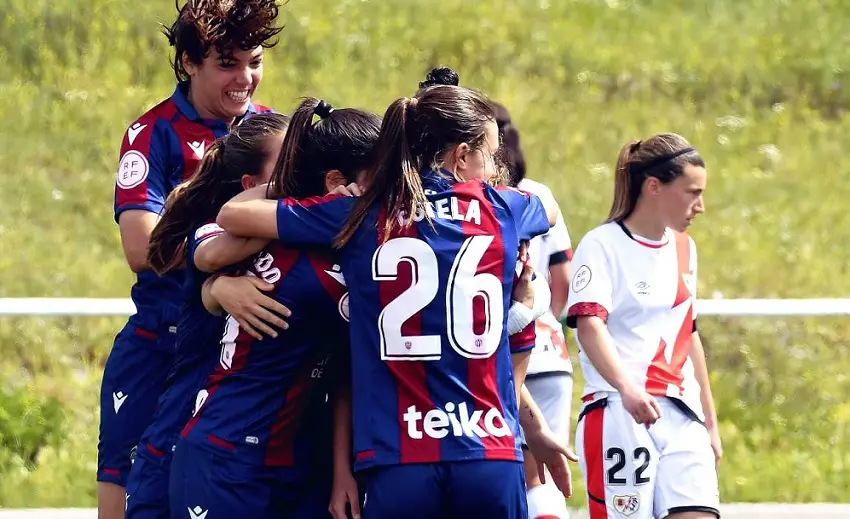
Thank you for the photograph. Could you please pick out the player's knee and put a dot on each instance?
(111, 501)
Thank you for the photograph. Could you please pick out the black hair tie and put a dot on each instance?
(642, 168)
(323, 109)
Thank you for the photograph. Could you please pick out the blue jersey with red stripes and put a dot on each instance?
(258, 400)
(161, 149)
(432, 377)
(197, 351)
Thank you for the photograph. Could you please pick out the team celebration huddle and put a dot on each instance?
(342, 314)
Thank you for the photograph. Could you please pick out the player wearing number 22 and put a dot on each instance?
(429, 261)
(648, 425)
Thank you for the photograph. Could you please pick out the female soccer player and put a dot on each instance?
(258, 443)
(648, 424)
(429, 261)
(549, 376)
(187, 233)
(218, 62)
(549, 373)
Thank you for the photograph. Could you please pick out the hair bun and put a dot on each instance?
(440, 76)
(323, 109)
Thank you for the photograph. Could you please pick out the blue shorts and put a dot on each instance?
(133, 378)
(454, 490)
(147, 486)
(215, 484)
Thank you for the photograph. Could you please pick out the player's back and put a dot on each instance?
(254, 400)
(433, 381)
(196, 353)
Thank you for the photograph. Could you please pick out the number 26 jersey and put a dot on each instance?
(432, 377)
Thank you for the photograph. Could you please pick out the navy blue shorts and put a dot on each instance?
(147, 485)
(133, 378)
(208, 482)
(453, 490)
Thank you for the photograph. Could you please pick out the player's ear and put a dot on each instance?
(334, 178)
(190, 67)
(248, 181)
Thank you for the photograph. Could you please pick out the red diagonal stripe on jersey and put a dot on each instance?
(660, 373)
(410, 378)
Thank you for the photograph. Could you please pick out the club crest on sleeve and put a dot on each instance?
(208, 230)
(133, 170)
(627, 505)
(581, 278)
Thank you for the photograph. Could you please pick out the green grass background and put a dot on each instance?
(759, 86)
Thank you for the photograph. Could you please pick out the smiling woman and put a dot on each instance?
(218, 64)
(219, 50)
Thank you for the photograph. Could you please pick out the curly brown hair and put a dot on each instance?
(223, 25)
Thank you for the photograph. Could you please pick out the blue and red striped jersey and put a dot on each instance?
(197, 352)
(161, 149)
(432, 377)
(258, 400)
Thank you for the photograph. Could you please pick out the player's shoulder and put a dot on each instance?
(534, 187)
(146, 124)
(682, 237)
(604, 234)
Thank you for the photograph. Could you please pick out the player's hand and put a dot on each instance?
(344, 495)
(716, 445)
(523, 288)
(641, 405)
(350, 190)
(553, 455)
(242, 297)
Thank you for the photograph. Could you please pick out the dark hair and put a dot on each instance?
(510, 152)
(440, 76)
(415, 134)
(223, 25)
(663, 156)
(219, 178)
(342, 139)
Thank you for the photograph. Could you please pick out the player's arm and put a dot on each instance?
(225, 250)
(310, 222)
(560, 265)
(141, 188)
(136, 227)
(597, 344)
(705, 395)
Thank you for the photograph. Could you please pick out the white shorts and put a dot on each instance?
(553, 394)
(639, 473)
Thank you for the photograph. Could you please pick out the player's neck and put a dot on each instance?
(646, 225)
(203, 112)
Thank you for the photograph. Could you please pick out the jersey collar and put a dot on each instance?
(181, 99)
(441, 180)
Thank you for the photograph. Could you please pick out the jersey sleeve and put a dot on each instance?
(312, 221)
(591, 288)
(199, 236)
(558, 244)
(529, 214)
(141, 181)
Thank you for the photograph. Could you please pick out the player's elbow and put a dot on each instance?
(137, 260)
(228, 217)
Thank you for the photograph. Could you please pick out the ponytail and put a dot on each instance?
(284, 181)
(394, 180)
(184, 211)
(625, 193)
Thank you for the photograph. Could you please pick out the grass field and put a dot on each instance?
(759, 86)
